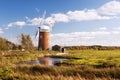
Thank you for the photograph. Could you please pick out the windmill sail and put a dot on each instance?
(43, 19)
(40, 24)
(37, 33)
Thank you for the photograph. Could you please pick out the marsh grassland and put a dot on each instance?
(82, 65)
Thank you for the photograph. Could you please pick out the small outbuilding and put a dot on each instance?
(58, 48)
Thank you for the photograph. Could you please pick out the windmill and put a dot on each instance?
(43, 34)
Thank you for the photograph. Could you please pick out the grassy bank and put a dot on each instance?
(98, 58)
(17, 56)
(83, 65)
(39, 72)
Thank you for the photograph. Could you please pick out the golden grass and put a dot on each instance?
(84, 65)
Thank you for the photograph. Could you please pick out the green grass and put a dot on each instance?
(83, 65)
(16, 56)
(98, 58)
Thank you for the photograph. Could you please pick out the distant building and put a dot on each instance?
(58, 48)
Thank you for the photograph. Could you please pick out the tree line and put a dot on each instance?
(25, 43)
(93, 47)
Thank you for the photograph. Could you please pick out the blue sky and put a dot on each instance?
(74, 22)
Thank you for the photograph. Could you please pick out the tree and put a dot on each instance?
(6, 45)
(26, 42)
(3, 44)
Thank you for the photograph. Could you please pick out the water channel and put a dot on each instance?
(47, 61)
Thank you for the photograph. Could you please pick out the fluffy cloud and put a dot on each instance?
(1, 31)
(85, 15)
(59, 17)
(78, 15)
(14, 40)
(50, 21)
(86, 38)
(38, 21)
(105, 12)
(107, 38)
(102, 13)
(116, 28)
(103, 28)
(110, 8)
(17, 23)
(102, 36)
(35, 21)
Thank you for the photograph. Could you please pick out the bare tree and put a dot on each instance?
(26, 42)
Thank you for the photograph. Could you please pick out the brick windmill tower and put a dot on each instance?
(43, 35)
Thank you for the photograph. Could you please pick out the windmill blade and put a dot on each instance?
(43, 17)
(37, 33)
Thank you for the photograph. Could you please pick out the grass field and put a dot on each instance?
(98, 58)
(83, 65)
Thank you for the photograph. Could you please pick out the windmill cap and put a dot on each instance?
(45, 28)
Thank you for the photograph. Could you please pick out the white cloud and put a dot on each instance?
(17, 23)
(107, 38)
(39, 21)
(78, 15)
(85, 15)
(50, 21)
(110, 8)
(115, 32)
(14, 40)
(116, 28)
(59, 17)
(35, 21)
(1, 31)
(102, 13)
(103, 28)
(102, 37)
(105, 12)
(26, 17)
(86, 38)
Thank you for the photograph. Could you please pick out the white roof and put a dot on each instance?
(45, 28)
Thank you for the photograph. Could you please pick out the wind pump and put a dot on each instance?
(43, 34)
